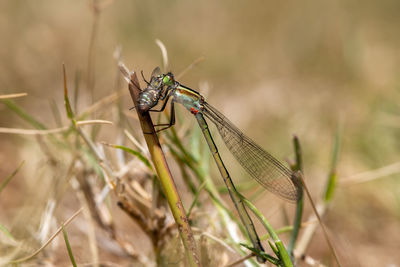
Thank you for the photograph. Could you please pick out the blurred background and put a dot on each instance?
(276, 69)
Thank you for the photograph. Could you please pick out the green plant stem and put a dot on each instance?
(4, 183)
(23, 114)
(266, 256)
(196, 197)
(281, 250)
(165, 176)
(70, 253)
(332, 177)
(281, 230)
(300, 203)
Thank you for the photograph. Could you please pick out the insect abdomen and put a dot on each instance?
(147, 100)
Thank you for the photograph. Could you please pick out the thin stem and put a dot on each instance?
(70, 253)
(332, 178)
(320, 221)
(4, 183)
(196, 196)
(300, 203)
(241, 260)
(12, 95)
(165, 176)
(48, 241)
(282, 252)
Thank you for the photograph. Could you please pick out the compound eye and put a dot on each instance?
(166, 79)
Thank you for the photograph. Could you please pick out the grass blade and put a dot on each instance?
(48, 241)
(70, 254)
(56, 113)
(332, 178)
(262, 254)
(23, 115)
(299, 205)
(6, 232)
(133, 152)
(328, 241)
(280, 251)
(8, 179)
(68, 108)
(196, 197)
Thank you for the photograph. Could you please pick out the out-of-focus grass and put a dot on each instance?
(274, 68)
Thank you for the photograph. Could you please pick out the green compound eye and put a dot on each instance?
(166, 79)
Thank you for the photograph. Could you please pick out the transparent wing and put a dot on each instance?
(156, 72)
(261, 165)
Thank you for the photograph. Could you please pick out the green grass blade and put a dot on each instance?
(4, 183)
(330, 187)
(93, 161)
(332, 177)
(76, 89)
(173, 136)
(243, 187)
(70, 254)
(262, 254)
(196, 197)
(281, 230)
(273, 247)
(23, 115)
(56, 113)
(6, 232)
(299, 205)
(281, 250)
(135, 153)
(68, 108)
(182, 163)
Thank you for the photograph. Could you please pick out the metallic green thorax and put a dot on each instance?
(190, 99)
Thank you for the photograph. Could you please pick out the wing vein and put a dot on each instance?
(261, 165)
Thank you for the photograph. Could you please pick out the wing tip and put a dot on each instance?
(296, 191)
(298, 187)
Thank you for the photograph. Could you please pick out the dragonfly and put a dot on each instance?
(261, 165)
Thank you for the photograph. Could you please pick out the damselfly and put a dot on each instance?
(261, 165)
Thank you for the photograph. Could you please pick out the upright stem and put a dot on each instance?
(300, 203)
(165, 176)
(280, 250)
